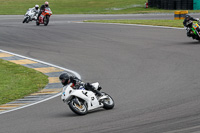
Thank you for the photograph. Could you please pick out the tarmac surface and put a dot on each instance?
(152, 74)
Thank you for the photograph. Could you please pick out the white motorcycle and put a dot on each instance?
(30, 15)
(81, 101)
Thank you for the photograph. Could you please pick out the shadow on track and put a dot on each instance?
(71, 114)
(66, 114)
(190, 43)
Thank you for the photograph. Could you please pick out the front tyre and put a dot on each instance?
(80, 110)
(25, 19)
(108, 103)
(46, 20)
(28, 19)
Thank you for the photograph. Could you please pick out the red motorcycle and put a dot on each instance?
(44, 17)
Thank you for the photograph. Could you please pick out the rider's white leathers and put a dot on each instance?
(35, 11)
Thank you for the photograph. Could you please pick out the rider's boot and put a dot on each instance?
(98, 93)
(189, 34)
(38, 17)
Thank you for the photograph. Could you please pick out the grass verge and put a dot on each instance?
(168, 23)
(19, 7)
(18, 81)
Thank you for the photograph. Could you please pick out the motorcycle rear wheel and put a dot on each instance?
(80, 110)
(108, 103)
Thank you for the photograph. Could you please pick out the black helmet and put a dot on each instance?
(187, 16)
(64, 78)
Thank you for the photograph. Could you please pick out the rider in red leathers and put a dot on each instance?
(42, 8)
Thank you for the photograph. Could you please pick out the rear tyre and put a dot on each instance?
(108, 103)
(80, 110)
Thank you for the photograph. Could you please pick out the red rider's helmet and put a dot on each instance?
(46, 4)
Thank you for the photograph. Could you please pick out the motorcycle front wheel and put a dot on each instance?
(25, 19)
(28, 19)
(46, 20)
(78, 109)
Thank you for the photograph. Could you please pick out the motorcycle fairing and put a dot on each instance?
(88, 96)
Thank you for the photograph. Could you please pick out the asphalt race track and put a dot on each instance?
(152, 74)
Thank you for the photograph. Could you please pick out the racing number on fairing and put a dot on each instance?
(85, 93)
(195, 26)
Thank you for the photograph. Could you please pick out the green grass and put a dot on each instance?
(19, 7)
(18, 81)
(169, 23)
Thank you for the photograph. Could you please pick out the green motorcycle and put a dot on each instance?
(194, 31)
